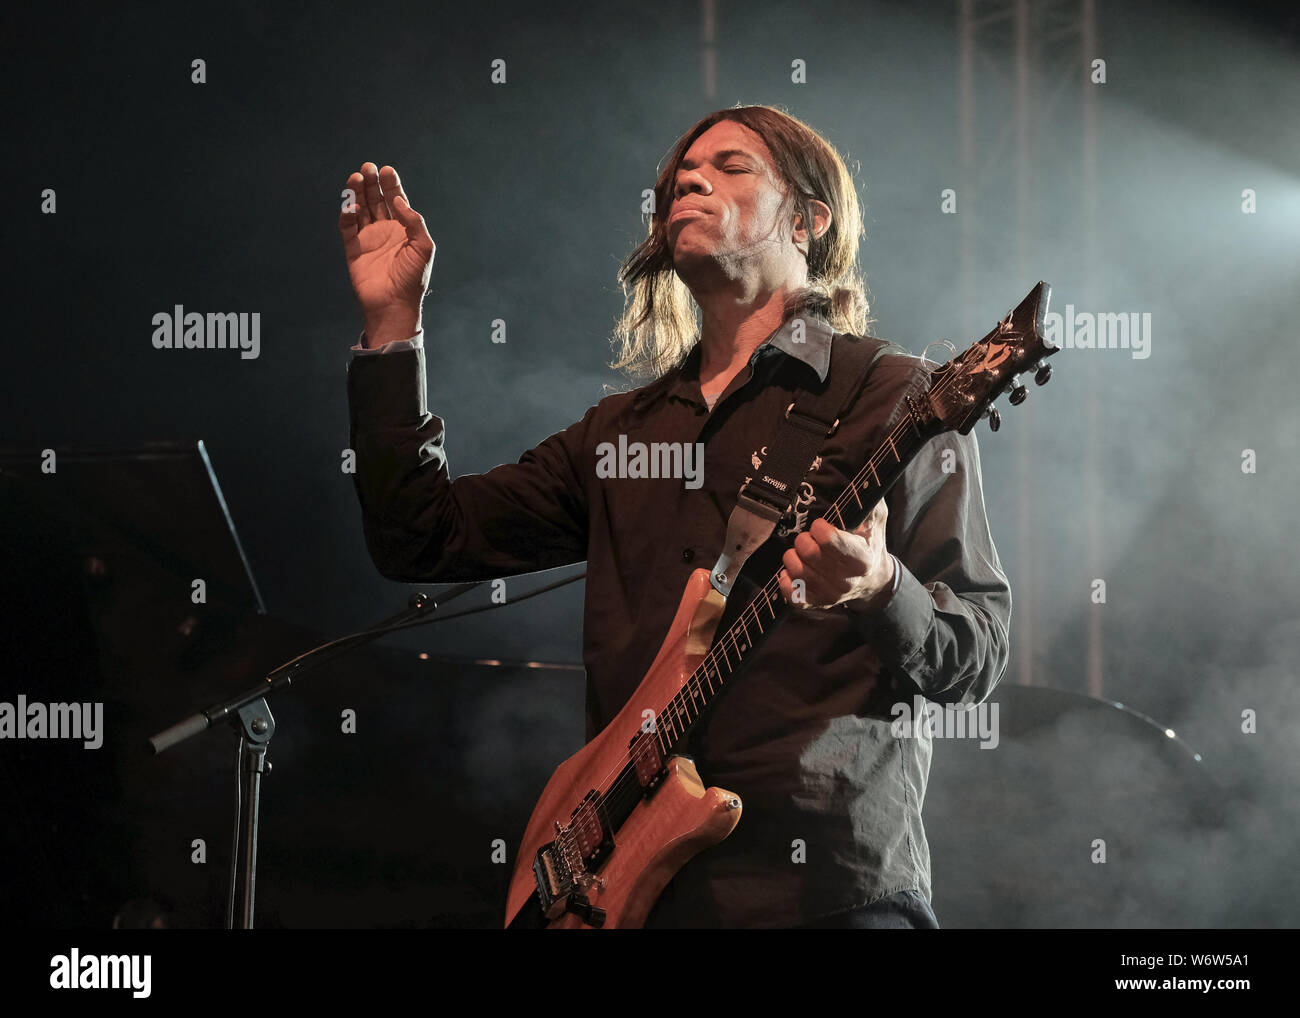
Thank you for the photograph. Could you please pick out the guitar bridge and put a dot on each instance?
(563, 868)
(554, 880)
(559, 891)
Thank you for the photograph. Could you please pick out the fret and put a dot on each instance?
(854, 488)
(723, 648)
(705, 666)
(894, 449)
(836, 511)
(875, 476)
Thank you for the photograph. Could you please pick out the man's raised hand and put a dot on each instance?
(389, 254)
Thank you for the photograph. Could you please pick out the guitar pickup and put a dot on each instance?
(589, 832)
(646, 760)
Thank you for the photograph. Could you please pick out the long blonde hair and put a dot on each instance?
(658, 325)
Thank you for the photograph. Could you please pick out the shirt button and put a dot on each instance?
(687, 554)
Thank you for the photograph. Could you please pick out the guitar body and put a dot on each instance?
(680, 819)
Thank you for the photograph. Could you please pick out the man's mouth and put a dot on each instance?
(688, 211)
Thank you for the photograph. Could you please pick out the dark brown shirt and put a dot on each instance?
(832, 799)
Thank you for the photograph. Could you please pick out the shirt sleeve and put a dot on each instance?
(421, 525)
(946, 625)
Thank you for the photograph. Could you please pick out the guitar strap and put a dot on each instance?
(812, 418)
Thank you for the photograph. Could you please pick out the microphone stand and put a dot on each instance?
(252, 720)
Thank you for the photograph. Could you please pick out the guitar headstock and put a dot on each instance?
(963, 390)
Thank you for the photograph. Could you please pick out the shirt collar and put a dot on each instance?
(805, 337)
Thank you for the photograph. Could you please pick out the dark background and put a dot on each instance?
(224, 196)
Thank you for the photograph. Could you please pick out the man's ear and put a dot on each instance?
(821, 223)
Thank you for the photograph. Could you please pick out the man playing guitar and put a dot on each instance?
(756, 227)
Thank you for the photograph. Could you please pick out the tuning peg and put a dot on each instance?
(1043, 373)
(994, 418)
(1018, 392)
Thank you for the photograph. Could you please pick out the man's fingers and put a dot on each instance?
(812, 585)
(823, 531)
(792, 563)
(348, 224)
(808, 548)
(787, 585)
(349, 217)
(417, 232)
(828, 549)
(374, 200)
(364, 218)
(879, 514)
(391, 187)
(875, 521)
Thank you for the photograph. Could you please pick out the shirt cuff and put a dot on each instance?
(899, 628)
(386, 385)
(416, 342)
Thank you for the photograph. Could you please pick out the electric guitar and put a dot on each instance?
(621, 816)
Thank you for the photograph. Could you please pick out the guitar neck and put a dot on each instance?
(737, 643)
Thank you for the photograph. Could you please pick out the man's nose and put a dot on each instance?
(691, 182)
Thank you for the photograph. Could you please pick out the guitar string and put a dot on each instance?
(568, 834)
